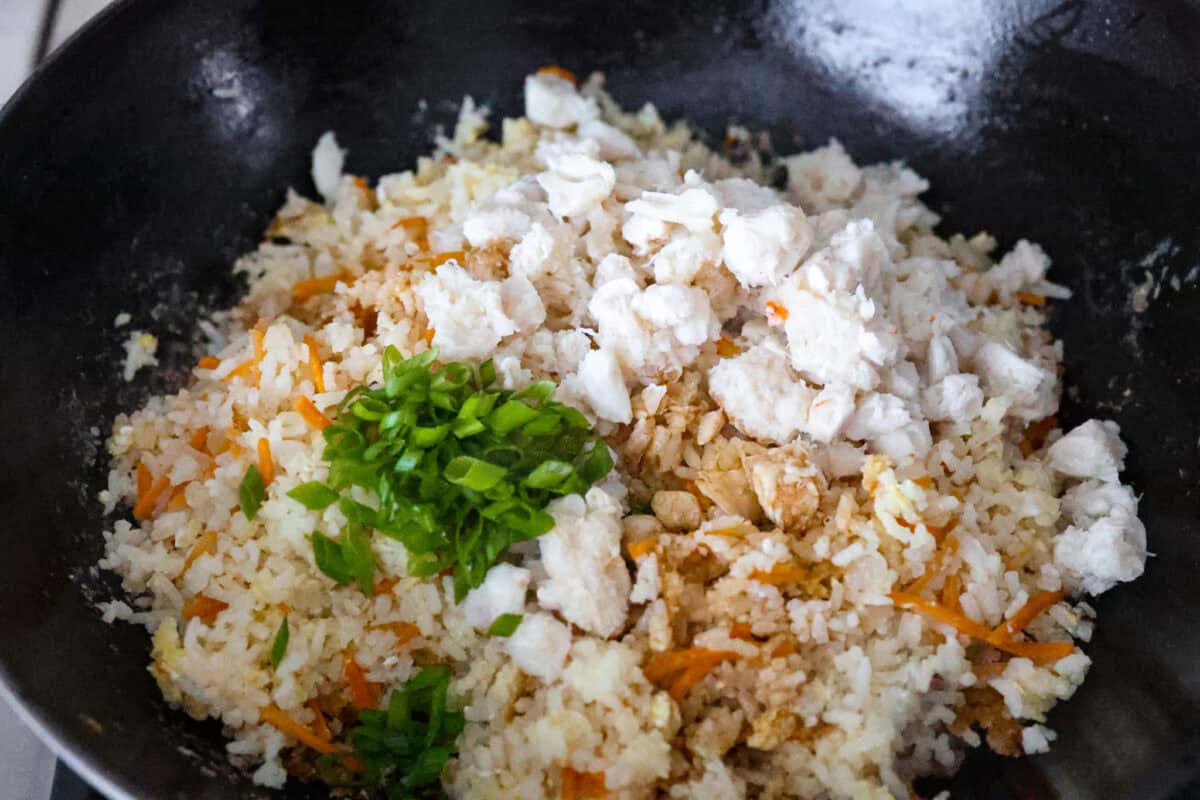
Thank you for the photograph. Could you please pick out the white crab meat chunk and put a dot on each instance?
(507, 215)
(1091, 450)
(539, 646)
(586, 577)
(659, 328)
(954, 398)
(1004, 373)
(762, 245)
(877, 413)
(654, 215)
(758, 394)
(470, 316)
(1106, 544)
(823, 179)
(684, 255)
(829, 411)
(553, 101)
(1022, 267)
(855, 257)
(788, 486)
(575, 182)
(502, 592)
(600, 383)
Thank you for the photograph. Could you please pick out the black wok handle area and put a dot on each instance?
(152, 150)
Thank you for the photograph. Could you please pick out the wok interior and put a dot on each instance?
(155, 148)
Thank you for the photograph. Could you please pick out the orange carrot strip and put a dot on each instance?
(558, 72)
(209, 362)
(727, 348)
(925, 482)
(642, 547)
(312, 414)
(145, 479)
(1028, 613)
(204, 607)
(740, 630)
(178, 499)
(951, 590)
(663, 665)
(940, 613)
(319, 726)
(363, 693)
(1030, 298)
(784, 648)
(311, 287)
(1036, 651)
(690, 677)
(591, 785)
(241, 370)
(780, 574)
(428, 336)
(405, 631)
(256, 336)
(777, 311)
(199, 439)
(570, 784)
(417, 228)
(437, 259)
(934, 567)
(284, 722)
(266, 464)
(314, 365)
(207, 543)
(384, 586)
(147, 501)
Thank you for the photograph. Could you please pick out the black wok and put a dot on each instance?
(152, 150)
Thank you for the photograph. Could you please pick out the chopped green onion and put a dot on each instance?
(474, 473)
(279, 647)
(504, 625)
(251, 492)
(549, 473)
(328, 555)
(314, 495)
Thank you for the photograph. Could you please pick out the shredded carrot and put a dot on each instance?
(209, 362)
(558, 72)
(145, 479)
(778, 311)
(178, 499)
(149, 499)
(780, 574)
(951, 590)
(405, 631)
(1036, 651)
(731, 531)
(437, 259)
(204, 608)
(199, 439)
(207, 543)
(314, 365)
(363, 693)
(241, 370)
(784, 648)
(257, 336)
(365, 188)
(570, 784)
(384, 586)
(642, 547)
(284, 722)
(1028, 613)
(740, 630)
(727, 348)
(948, 546)
(1031, 298)
(939, 532)
(319, 726)
(591, 785)
(689, 666)
(925, 482)
(266, 464)
(312, 415)
(428, 336)
(311, 287)
(417, 228)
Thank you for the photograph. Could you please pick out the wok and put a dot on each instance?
(154, 147)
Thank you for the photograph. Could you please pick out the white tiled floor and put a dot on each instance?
(26, 766)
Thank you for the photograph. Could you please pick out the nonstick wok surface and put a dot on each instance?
(153, 149)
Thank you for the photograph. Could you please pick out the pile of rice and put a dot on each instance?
(815, 402)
